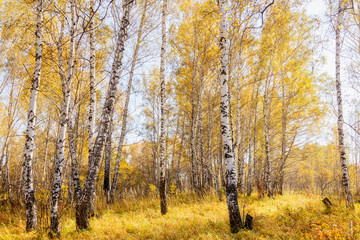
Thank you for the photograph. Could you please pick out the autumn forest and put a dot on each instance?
(179, 119)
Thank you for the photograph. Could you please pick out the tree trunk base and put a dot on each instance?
(249, 222)
(54, 227)
(82, 218)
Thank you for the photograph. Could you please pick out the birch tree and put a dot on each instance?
(126, 104)
(162, 188)
(267, 164)
(92, 105)
(231, 180)
(82, 207)
(64, 113)
(340, 121)
(30, 202)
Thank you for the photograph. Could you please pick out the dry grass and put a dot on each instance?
(296, 216)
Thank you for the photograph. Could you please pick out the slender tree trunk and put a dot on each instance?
(249, 187)
(5, 177)
(198, 148)
(344, 169)
(356, 156)
(108, 157)
(64, 113)
(231, 181)
(221, 160)
(280, 182)
(126, 105)
(5, 171)
(171, 177)
(251, 162)
(30, 202)
(82, 206)
(193, 138)
(162, 188)
(74, 161)
(92, 105)
(241, 178)
(267, 166)
(255, 160)
(46, 148)
(202, 153)
(178, 183)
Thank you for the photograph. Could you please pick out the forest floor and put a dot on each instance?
(292, 216)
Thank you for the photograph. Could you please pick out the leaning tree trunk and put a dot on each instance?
(82, 207)
(162, 188)
(92, 105)
(126, 105)
(231, 181)
(28, 178)
(64, 112)
(344, 168)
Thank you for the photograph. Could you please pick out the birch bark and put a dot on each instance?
(267, 164)
(344, 169)
(28, 178)
(231, 181)
(92, 105)
(162, 188)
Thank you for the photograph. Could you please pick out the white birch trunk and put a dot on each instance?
(267, 164)
(162, 188)
(92, 105)
(30, 202)
(231, 181)
(344, 169)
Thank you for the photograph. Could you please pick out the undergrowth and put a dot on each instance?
(295, 216)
